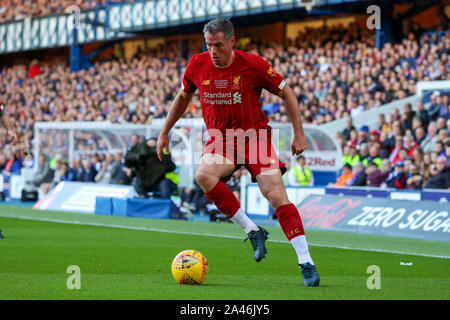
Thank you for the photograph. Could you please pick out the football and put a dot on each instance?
(190, 267)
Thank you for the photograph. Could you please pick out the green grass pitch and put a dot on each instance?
(130, 258)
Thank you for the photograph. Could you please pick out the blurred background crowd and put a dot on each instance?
(335, 72)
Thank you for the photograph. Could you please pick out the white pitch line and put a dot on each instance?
(98, 224)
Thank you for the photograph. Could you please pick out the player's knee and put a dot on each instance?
(202, 178)
(276, 198)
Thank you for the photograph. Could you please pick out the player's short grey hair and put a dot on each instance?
(220, 25)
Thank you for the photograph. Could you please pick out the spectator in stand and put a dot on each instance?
(97, 163)
(414, 179)
(103, 176)
(134, 141)
(57, 176)
(362, 137)
(67, 174)
(43, 174)
(341, 139)
(409, 144)
(439, 175)
(441, 123)
(350, 156)
(349, 127)
(382, 123)
(443, 136)
(420, 135)
(435, 104)
(34, 69)
(447, 151)
(363, 153)
(353, 139)
(385, 151)
(374, 156)
(416, 123)
(439, 148)
(397, 133)
(428, 143)
(386, 127)
(423, 114)
(374, 137)
(395, 154)
(88, 172)
(2, 162)
(376, 177)
(300, 174)
(118, 175)
(14, 163)
(397, 178)
(111, 168)
(77, 169)
(359, 177)
(345, 177)
(407, 117)
(444, 110)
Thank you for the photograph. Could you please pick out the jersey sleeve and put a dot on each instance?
(188, 84)
(268, 78)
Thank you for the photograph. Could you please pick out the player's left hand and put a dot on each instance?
(299, 145)
(162, 145)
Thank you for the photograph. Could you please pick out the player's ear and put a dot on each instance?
(232, 41)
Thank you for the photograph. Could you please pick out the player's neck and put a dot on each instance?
(229, 64)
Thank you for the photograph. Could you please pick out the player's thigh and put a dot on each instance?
(271, 185)
(211, 168)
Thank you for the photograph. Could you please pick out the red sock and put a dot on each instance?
(290, 221)
(224, 199)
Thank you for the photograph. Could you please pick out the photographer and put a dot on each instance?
(151, 175)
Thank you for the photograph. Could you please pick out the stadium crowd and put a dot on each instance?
(335, 72)
(406, 151)
(11, 10)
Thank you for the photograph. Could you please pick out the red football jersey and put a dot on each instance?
(230, 96)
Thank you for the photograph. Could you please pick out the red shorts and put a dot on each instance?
(251, 148)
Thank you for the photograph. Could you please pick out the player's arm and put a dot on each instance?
(4, 120)
(299, 144)
(275, 84)
(176, 111)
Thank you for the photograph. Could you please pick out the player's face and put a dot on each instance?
(219, 48)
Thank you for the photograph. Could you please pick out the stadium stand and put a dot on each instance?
(21, 9)
(336, 73)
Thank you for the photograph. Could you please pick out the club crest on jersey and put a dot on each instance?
(271, 72)
(221, 84)
(236, 82)
(206, 82)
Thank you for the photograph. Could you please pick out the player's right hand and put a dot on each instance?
(162, 145)
(299, 145)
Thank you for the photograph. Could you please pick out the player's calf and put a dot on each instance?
(291, 223)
